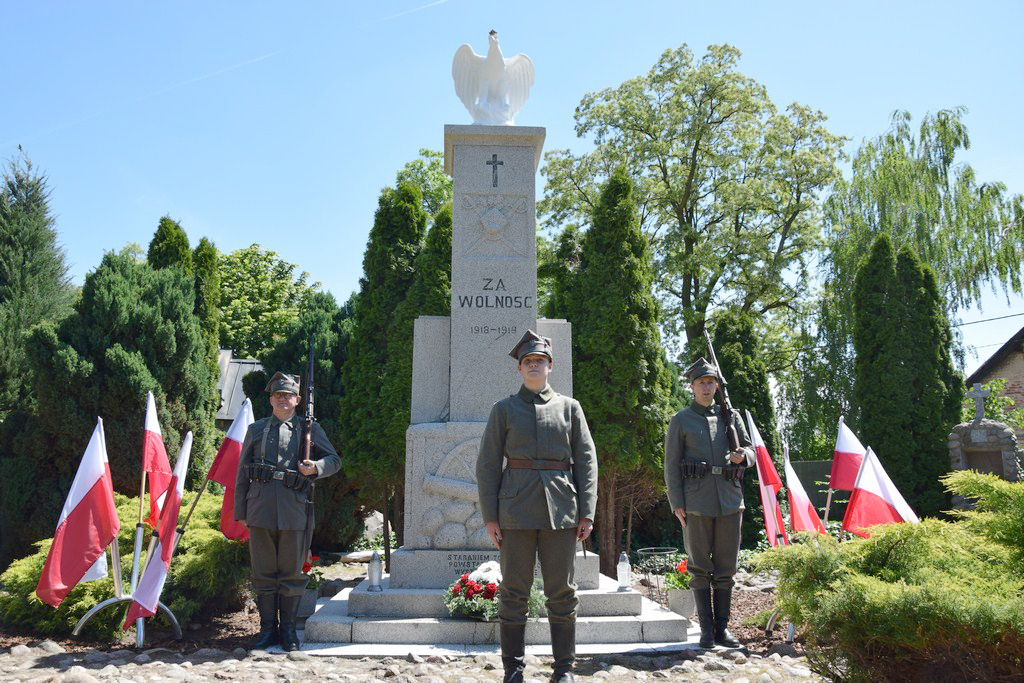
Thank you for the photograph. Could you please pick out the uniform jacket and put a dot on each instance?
(271, 505)
(544, 426)
(697, 434)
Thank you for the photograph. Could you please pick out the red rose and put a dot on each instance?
(682, 567)
(490, 591)
(456, 588)
(464, 578)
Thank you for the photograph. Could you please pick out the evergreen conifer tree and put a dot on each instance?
(618, 372)
(34, 285)
(133, 330)
(169, 246)
(207, 275)
(398, 229)
(907, 389)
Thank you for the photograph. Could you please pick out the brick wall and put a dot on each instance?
(1012, 369)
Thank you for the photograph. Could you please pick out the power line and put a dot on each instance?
(986, 320)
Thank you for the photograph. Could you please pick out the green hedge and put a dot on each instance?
(934, 601)
(207, 571)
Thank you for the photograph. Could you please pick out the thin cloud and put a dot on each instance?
(408, 11)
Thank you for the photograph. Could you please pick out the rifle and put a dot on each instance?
(307, 435)
(728, 414)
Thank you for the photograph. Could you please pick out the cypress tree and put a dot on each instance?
(740, 352)
(207, 278)
(907, 389)
(169, 246)
(618, 370)
(398, 229)
(34, 285)
(133, 330)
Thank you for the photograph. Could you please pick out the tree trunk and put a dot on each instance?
(608, 539)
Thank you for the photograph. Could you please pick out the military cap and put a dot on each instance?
(702, 368)
(283, 382)
(531, 343)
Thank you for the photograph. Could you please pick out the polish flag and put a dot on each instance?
(802, 515)
(224, 469)
(147, 595)
(769, 483)
(875, 500)
(847, 459)
(88, 523)
(154, 461)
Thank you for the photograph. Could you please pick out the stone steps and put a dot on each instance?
(332, 623)
(606, 601)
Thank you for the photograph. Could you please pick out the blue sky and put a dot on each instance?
(279, 123)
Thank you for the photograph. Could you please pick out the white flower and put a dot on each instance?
(488, 572)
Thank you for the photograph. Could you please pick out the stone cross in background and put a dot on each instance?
(979, 395)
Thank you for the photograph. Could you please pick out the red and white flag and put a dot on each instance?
(147, 595)
(154, 461)
(802, 515)
(88, 523)
(875, 500)
(770, 484)
(847, 459)
(224, 469)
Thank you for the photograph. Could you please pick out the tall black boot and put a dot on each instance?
(266, 604)
(702, 596)
(513, 652)
(289, 605)
(563, 648)
(723, 601)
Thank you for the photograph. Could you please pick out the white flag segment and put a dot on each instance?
(147, 595)
(847, 459)
(875, 500)
(769, 484)
(154, 461)
(88, 523)
(225, 469)
(802, 515)
(238, 428)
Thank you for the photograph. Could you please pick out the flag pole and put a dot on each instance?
(188, 515)
(828, 500)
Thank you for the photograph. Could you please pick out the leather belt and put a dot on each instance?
(278, 474)
(523, 464)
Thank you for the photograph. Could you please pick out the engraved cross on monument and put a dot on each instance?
(979, 395)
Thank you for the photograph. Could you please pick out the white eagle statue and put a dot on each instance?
(493, 88)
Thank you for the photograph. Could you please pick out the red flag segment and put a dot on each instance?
(875, 500)
(154, 462)
(802, 515)
(769, 485)
(849, 454)
(224, 469)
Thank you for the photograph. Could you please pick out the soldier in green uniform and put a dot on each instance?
(539, 505)
(274, 497)
(705, 491)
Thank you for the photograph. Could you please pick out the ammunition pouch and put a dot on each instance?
(290, 479)
(699, 470)
(694, 470)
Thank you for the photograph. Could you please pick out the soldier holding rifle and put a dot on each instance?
(281, 457)
(706, 454)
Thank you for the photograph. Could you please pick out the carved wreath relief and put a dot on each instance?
(453, 520)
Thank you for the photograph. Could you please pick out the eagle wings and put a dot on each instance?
(492, 88)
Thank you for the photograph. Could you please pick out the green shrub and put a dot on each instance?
(933, 601)
(207, 571)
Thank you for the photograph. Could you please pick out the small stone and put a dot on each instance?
(240, 652)
(78, 677)
(741, 679)
(50, 647)
(601, 674)
(142, 658)
(299, 656)
(21, 651)
(491, 666)
(108, 670)
(717, 665)
(209, 652)
(764, 678)
(415, 658)
(659, 674)
(618, 670)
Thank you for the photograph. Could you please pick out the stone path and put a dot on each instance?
(47, 662)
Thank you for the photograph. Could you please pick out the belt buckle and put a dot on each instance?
(278, 474)
(716, 470)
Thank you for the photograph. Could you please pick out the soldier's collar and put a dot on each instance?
(545, 394)
(293, 420)
(701, 410)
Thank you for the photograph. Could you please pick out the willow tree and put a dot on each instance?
(909, 184)
(727, 186)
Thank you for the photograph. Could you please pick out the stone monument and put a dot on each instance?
(983, 445)
(460, 369)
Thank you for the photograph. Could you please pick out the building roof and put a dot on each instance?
(1013, 344)
(232, 370)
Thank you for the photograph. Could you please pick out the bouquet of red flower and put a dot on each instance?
(475, 594)
(680, 578)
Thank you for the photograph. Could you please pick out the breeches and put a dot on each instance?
(277, 558)
(520, 550)
(712, 546)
